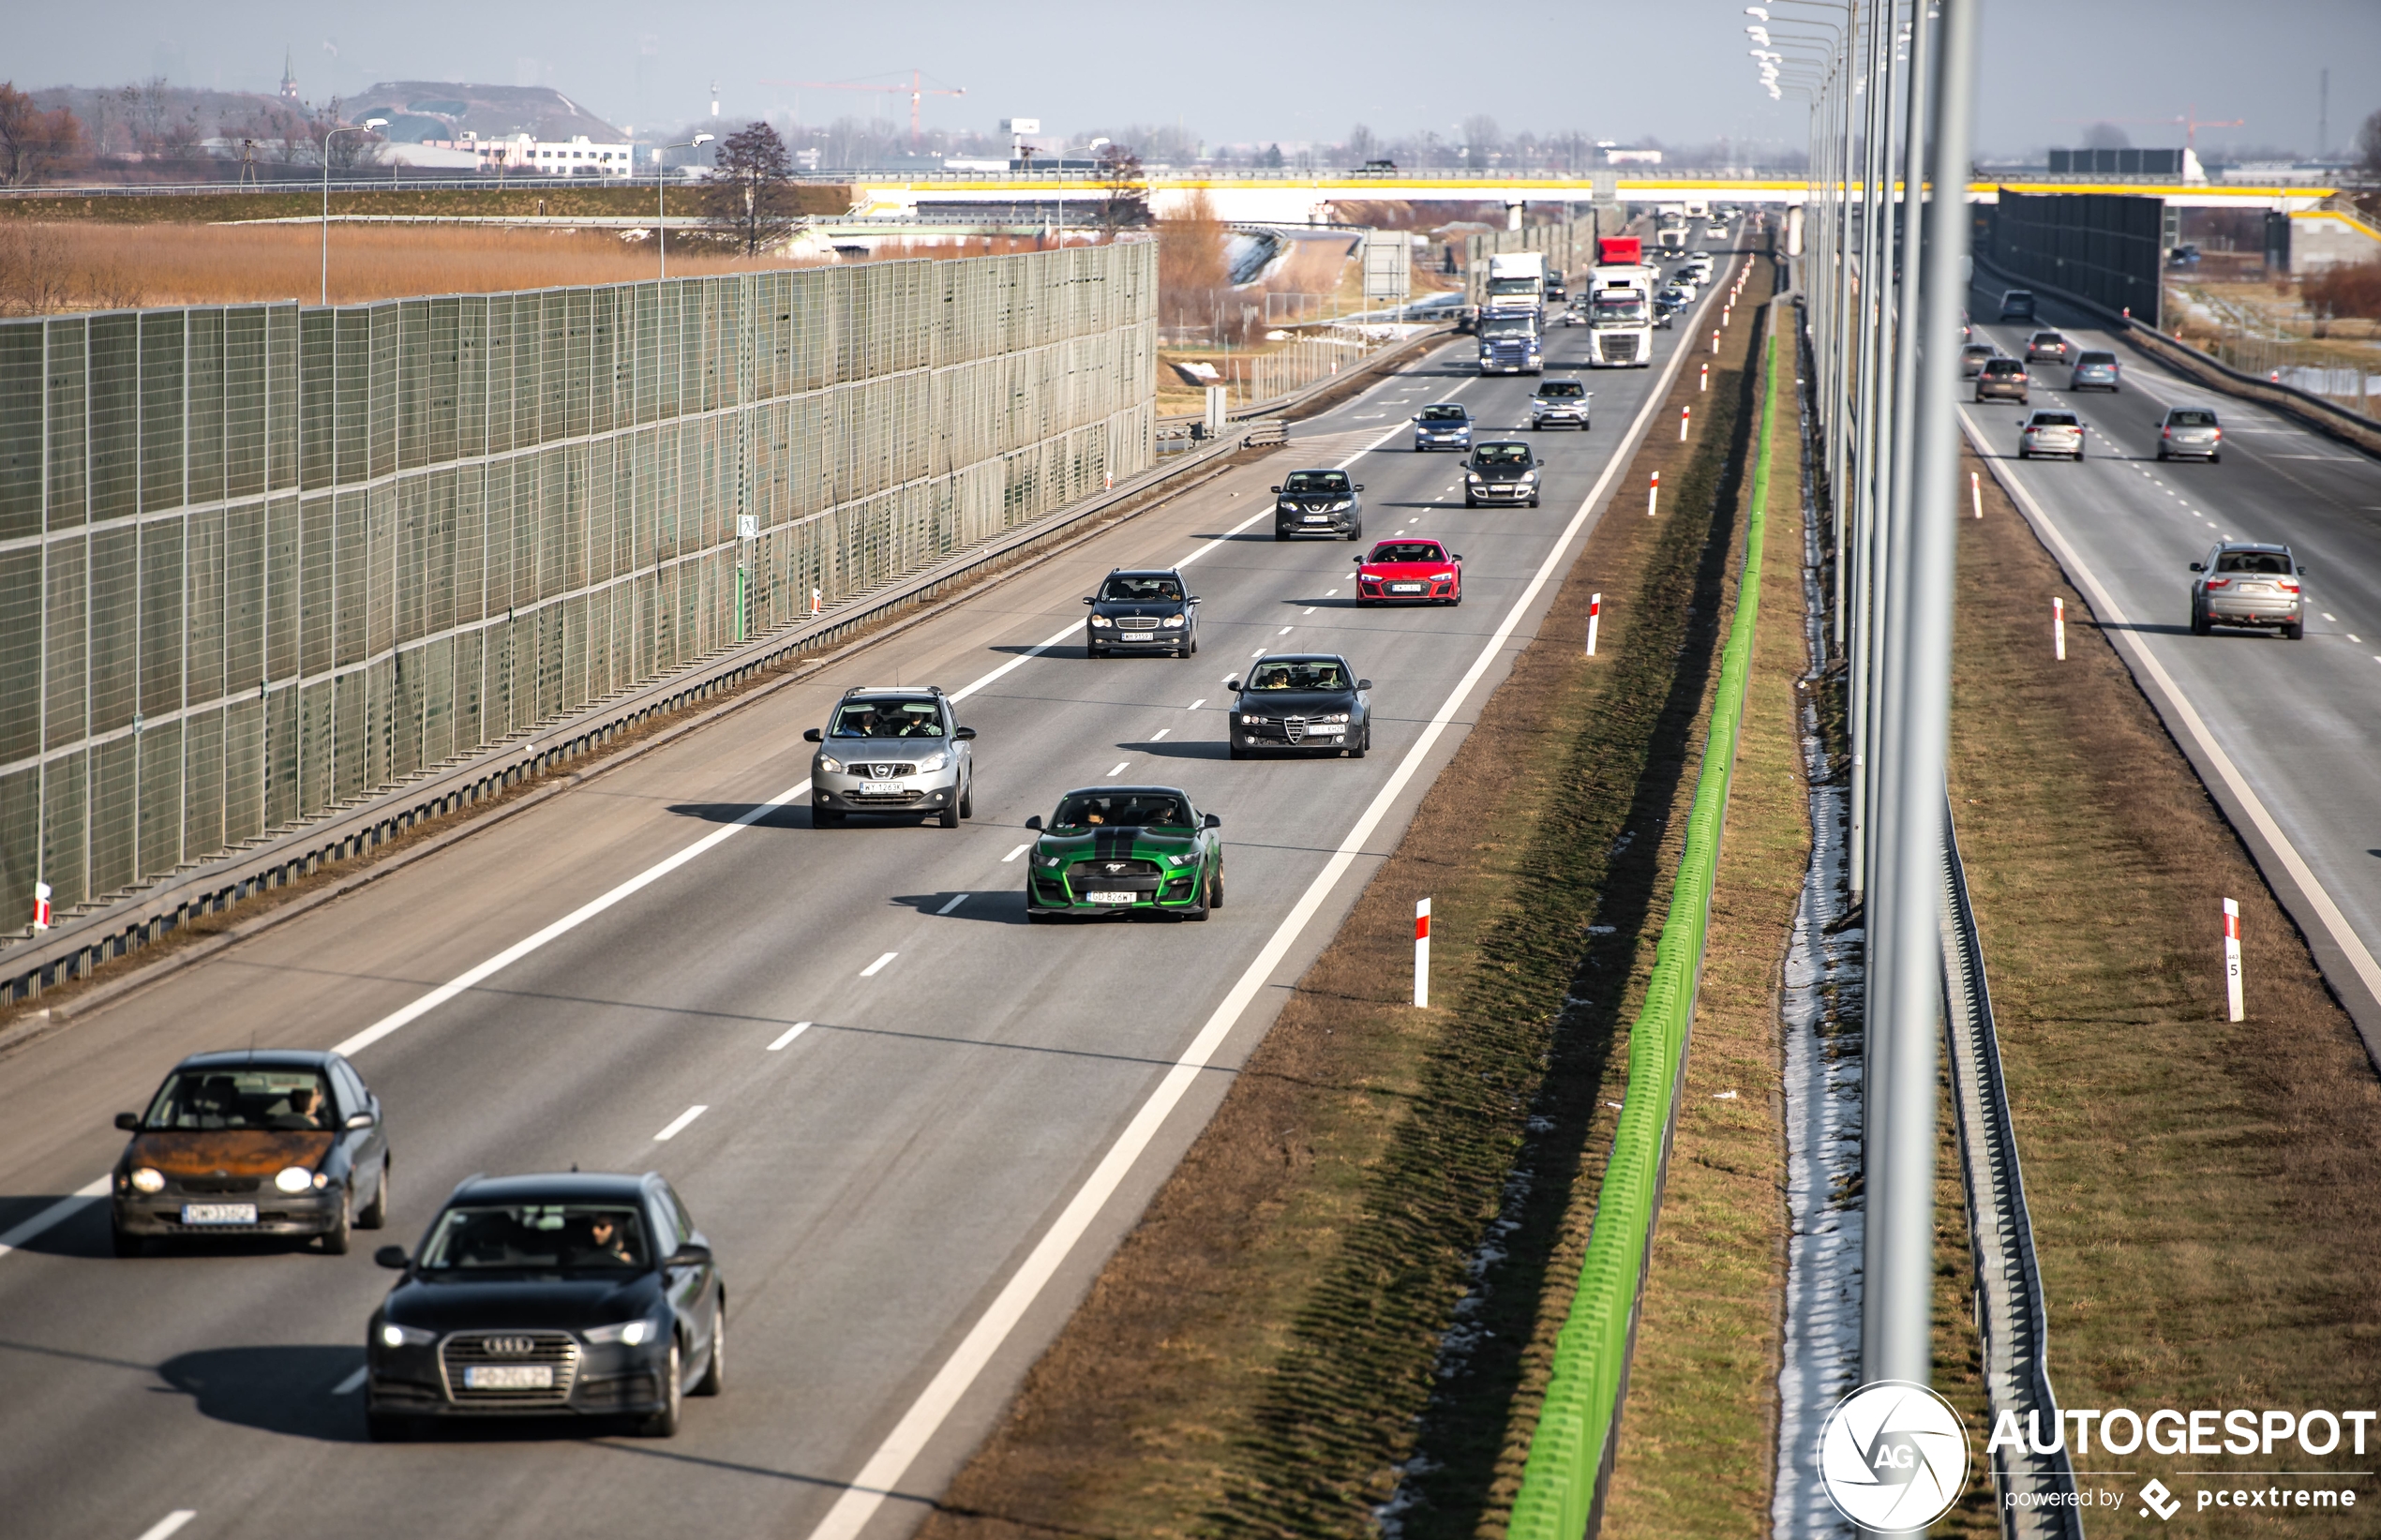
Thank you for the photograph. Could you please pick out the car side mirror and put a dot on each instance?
(1089, 599)
(1459, 555)
(810, 735)
(361, 1120)
(1359, 487)
(129, 1122)
(1193, 599)
(1277, 489)
(965, 735)
(1233, 685)
(1034, 822)
(689, 1255)
(2197, 566)
(2302, 572)
(391, 1257)
(1359, 561)
(1212, 822)
(1364, 684)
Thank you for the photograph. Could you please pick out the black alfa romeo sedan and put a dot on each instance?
(1307, 701)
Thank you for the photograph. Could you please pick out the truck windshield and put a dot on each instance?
(1619, 307)
(1512, 286)
(1508, 326)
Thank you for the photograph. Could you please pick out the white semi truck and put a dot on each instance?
(1516, 282)
(1620, 324)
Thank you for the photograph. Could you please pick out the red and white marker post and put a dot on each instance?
(2233, 1010)
(1683, 412)
(1703, 379)
(1653, 494)
(1595, 613)
(2059, 628)
(42, 915)
(1976, 493)
(1714, 342)
(1422, 952)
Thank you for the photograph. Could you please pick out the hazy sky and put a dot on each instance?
(1236, 71)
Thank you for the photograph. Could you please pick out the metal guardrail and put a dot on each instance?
(2036, 1490)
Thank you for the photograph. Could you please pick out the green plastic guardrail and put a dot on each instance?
(1571, 1451)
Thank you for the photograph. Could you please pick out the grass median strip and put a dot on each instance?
(1353, 1265)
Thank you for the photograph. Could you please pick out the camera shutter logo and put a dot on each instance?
(1892, 1457)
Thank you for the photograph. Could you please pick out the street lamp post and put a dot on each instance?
(364, 127)
(661, 210)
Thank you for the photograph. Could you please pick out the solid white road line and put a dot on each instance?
(1015, 854)
(680, 1122)
(952, 905)
(884, 1468)
(872, 969)
(354, 1383)
(170, 1524)
(2326, 911)
(790, 1034)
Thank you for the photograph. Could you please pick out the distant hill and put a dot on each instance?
(425, 109)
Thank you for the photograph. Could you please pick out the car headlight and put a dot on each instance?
(1048, 862)
(1529, 475)
(1253, 720)
(1102, 621)
(294, 1179)
(1172, 622)
(1442, 577)
(934, 761)
(1477, 479)
(629, 1332)
(148, 1179)
(1342, 507)
(1331, 717)
(1286, 508)
(830, 764)
(1189, 858)
(395, 1336)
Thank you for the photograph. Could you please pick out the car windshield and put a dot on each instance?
(1310, 481)
(1116, 809)
(1298, 674)
(1407, 551)
(1142, 590)
(2054, 418)
(1445, 414)
(2018, 297)
(2192, 419)
(1501, 455)
(1562, 390)
(2085, 361)
(536, 1238)
(2049, 339)
(1520, 325)
(2003, 366)
(889, 719)
(249, 1097)
(2269, 563)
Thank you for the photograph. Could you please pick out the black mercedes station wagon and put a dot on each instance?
(556, 1296)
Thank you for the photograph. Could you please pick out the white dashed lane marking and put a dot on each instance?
(678, 1124)
(957, 899)
(878, 966)
(790, 1034)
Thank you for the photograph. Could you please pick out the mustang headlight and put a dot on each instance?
(832, 765)
(934, 761)
(1048, 862)
(148, 1179)
(629, 1332)
(395, 1336)
(1172, 622)
(1102, 621)
(294, 1179)
(1187, 857)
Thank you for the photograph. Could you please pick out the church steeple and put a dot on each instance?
(288, 76)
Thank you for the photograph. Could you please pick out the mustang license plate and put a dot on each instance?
(509, 1376)
(218, 1213)
(1405, 588)
(880, 788)
(1109, 898)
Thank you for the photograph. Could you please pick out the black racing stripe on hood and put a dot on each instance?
(1112, 842)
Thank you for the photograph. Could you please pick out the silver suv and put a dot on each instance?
(2242, 583)
(2049, 432)
(888, 751)
(1560, 403)
(2190, 433)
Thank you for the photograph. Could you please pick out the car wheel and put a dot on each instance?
(125, 1243)
(2200, 624)
(387, 1428)
(1357, 533)
(949, 817)
(1280, 533)
(335, 1239)
(1239, 752)
(1471, 501)
(2022, 454)
(824, 815)
(714, 1378)
(1215, 888)
(663, 1424)
(1533, 502)
(2215, 459)
(967, 798)
(1358, 749)
(1199, 915)
(2295, 630)
(2162, 453)
(376, 1213)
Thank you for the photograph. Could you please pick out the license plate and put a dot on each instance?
(1109, 898)
(218, 1213)
(1139, 636)
(509, 1376)
(879, 788)
(1405, 588)
(2257, 588)
(1318, 519)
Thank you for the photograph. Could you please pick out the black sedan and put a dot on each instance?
(1303, 701)
(572, 1295)
(254, 1142)
(1141, 612)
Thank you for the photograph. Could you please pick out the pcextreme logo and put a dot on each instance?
(1892, 1457)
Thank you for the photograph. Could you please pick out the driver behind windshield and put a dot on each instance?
(889, 719)
(1140, 809)
(1142, 590)
(1300, 676)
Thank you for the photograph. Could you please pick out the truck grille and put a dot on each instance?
(1620, 349)
(559, 1350)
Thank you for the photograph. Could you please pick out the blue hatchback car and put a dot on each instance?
(1446, 424)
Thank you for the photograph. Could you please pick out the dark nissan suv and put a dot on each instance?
(1321, 503)
(1141, 612)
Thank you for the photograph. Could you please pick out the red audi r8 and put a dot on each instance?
(1408, 571)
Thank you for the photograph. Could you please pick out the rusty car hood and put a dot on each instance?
(233, 1152)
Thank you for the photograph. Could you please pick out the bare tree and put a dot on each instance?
(750, 197)
(2369, 145)
(1127, 205)
(33, 141)
(1481, 141)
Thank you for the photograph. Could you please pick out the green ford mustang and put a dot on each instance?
(1126, 851)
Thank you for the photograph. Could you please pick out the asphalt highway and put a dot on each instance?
(912, 1126)
(2282, 731)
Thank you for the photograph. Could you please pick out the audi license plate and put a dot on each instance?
(1405, 588)
(1109, 898)
(509, 1376)
(218, 1213)
(880, 788)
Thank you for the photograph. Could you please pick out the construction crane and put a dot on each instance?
(2190, 119)
(916, 90)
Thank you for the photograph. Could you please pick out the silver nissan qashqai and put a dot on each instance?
(897, 751)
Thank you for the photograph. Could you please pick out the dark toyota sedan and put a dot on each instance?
(254, 1142)
(570, 1294)
(1504, 472)
(1305, 701)
(1321, 503)
(1151, 611)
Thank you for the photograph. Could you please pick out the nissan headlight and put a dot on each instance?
(628, 1332)
(294, 1179)
(830, 764)
(148, 1179)
(1101, 622)
(395, 1336)
(1342, 507)
(1172, 622)
(934, 762)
